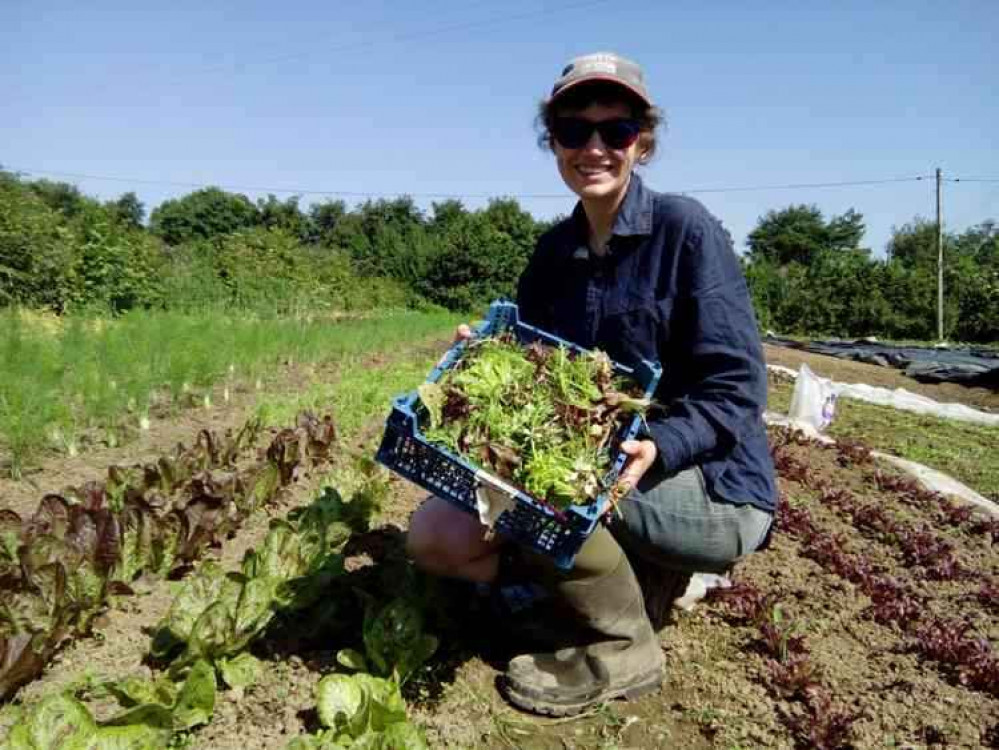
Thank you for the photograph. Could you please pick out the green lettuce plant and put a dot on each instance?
(361, 712)
(395, 643)
(155, 709)
(216, 615)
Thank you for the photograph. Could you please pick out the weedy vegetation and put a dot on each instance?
(65, 382)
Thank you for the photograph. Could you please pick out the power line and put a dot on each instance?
(972, 179)
(261, 189)
(409, 36)
(807, 185)
(457, 196)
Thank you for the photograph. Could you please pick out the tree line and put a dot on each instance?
(809, 275)
(62, 250)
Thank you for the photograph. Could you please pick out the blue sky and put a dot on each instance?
(396, 96)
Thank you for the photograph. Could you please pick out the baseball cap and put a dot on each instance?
(602, 66)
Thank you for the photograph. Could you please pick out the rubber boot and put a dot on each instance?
(621, 659)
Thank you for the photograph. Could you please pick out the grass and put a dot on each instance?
(359, 392)
(63, 377)
(963, 450)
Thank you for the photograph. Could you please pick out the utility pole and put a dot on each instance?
(940, 274)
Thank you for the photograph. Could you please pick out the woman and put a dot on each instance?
(638, 274)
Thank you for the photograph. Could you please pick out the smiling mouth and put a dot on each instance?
(591, 171)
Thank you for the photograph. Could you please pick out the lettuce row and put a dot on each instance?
(58, 568)
(216, 615)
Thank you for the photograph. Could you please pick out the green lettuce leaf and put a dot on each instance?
(145, 727)
(57, 721)
(170, 530)
(253, 609)
(196, 595)
(196, 698)
(212, 633)
(262, 485)
(241, 671)
(136, 691)
(278, 558)
(342, 704)
(385, 703)
(132, 737)
(394, 639)
(352, 659)
(404, 736)
(10, 540)
(355, 704)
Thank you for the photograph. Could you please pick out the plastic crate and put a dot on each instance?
(558, 533)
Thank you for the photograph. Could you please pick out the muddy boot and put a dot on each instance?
(622, 657)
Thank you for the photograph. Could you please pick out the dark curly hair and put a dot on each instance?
(607, 94)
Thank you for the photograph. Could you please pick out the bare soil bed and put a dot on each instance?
(865, 679)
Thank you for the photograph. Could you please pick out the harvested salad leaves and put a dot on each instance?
(540, 417)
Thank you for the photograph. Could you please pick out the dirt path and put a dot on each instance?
(847, 371)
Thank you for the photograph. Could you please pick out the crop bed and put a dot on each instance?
(871, 621)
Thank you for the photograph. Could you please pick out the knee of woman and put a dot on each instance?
(421, 542)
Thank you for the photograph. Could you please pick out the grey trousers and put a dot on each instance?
(673, 523)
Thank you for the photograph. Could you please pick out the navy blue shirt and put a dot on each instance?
(669, 289)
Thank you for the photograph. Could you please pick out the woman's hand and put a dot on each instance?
(462, 333)
(641, 455)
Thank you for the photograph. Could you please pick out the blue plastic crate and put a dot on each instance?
(529, 521)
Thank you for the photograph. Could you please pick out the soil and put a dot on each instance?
(716, 693)
(848, 371)
(54, 471)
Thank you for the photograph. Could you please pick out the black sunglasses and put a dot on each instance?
(575, 132)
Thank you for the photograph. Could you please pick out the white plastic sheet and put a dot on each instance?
(898, 398)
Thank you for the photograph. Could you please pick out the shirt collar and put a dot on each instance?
(633, 218)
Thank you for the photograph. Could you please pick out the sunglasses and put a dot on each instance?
(575, 132)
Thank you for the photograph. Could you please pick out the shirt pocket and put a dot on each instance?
(636, 327)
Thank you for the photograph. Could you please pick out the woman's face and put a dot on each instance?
(595, 172)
